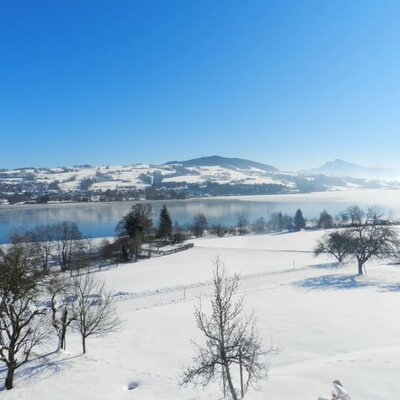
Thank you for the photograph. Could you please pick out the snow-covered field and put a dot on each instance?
(328, 323)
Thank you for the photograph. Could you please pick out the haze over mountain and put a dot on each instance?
(343, 168)
(204, 176)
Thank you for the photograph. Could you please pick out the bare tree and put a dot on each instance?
(336, 244)
(60, 289)
(66, 235)
(21, 324)
(259, 225)
(43, 244)
(231, 340)
(353, 216)
(325, 220)
(218, 229)
(365, 238)
(370, 239)
(82, 255)
(199, 225)
(242, 224)
(94, 308)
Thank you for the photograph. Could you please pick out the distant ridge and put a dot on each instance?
(224, 162)
(343, 168)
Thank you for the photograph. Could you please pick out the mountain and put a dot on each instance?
(224, 162)
(342, 168)
(205, 176)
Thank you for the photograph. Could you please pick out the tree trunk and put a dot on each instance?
(360, 268)
(10, 377)
(241, 373)
(83, 345)
(63, 342)
(64, 328)
(230, 384)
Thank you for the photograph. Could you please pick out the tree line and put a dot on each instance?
(137, 236)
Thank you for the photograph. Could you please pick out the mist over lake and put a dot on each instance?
(100, 219)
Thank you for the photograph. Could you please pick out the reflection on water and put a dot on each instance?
(100, 219)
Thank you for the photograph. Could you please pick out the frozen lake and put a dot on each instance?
(100, 219)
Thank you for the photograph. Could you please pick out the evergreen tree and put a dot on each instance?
(165, 224)
(280, 221)
(299, 221)
(137, 223)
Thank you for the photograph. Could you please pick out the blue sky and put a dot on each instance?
(290, 83)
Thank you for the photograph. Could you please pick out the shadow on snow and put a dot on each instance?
(40, 367)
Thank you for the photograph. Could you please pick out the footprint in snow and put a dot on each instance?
(133, 385)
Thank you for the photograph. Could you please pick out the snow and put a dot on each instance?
(383, 197)
(128, 176)
(185, 178)
(328, 323)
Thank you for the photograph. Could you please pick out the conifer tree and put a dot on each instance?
(299, 221)
(165, 224)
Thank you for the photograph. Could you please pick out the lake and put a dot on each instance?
(100, 219)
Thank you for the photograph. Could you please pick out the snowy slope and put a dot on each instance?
(328, 323)
(232, 172)
(113, 177)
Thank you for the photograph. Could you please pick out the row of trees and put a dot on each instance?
(34, 300)
(364, 237)
(61, 242)
(137, 225)
(136, 229)
(277, 222)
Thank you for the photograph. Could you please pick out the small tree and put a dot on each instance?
(66, 237)
(335, 244)
(179, 235)
(325, 220)
(276, 223)
(94, 308)
(299, 221)
(82, 256)
(43, 244)
(61, 305)
(364, 239)
(110, 251)
(231, 340)
(259, 225)
(165, 224)
(137, 223)
(369, 239)
(353, 216)
(21, 324)
(218, 230)
(241, 224)
(199, 225)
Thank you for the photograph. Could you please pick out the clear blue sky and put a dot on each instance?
(291, 83)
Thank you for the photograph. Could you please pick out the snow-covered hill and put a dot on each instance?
(204, 176)
(136, 176)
